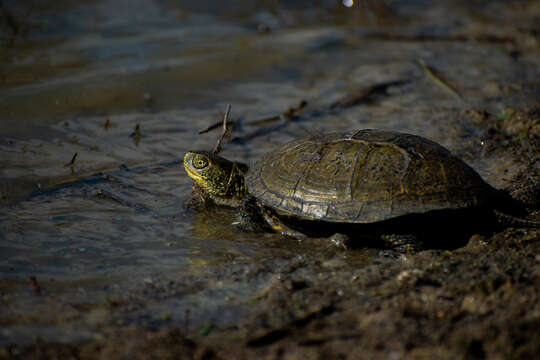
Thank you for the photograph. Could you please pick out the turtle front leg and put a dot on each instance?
(338, 240)
(402, 243)
(254, 217)
(278, 226)
(250, 218)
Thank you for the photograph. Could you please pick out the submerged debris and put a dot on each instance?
(35, 286)
(71, 164)
(299, 112)
(438, 79)
(136, 135)
(361, 95)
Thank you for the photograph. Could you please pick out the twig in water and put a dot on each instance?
(438, 80)
(217, 124)
(259, 132)
(288, 114)
(136, 135)
(71, 164)
(478, 38)
(362, 94)
(217, 148)
(137, 132)
(35, 286)
(210, 128)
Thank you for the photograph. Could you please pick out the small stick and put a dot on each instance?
(438, 80)
(35, 286)
(361, 95)
(71, 164)
(136, 135)
(353, 99)
(259, 132)
(217, 148)
(266, 120)
(137, 132)
(484, 38)
(288, 114)
(210, 128)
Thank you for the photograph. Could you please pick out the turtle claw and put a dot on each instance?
(340, 241)
(402, 243)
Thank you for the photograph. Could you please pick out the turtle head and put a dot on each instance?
(221, 179)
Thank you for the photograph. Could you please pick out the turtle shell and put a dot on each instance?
(364, 176)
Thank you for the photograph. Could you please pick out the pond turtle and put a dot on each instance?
(391, 185)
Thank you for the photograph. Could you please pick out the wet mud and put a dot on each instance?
(102, 258)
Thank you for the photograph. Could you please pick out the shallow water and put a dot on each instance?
(78, 79)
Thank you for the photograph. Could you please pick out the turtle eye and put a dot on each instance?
(200, 162)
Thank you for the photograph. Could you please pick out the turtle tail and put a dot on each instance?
(510, 210)
(513, 221)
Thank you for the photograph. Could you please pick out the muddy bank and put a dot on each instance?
(481, 301)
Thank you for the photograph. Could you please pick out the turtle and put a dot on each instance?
(392, 186)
